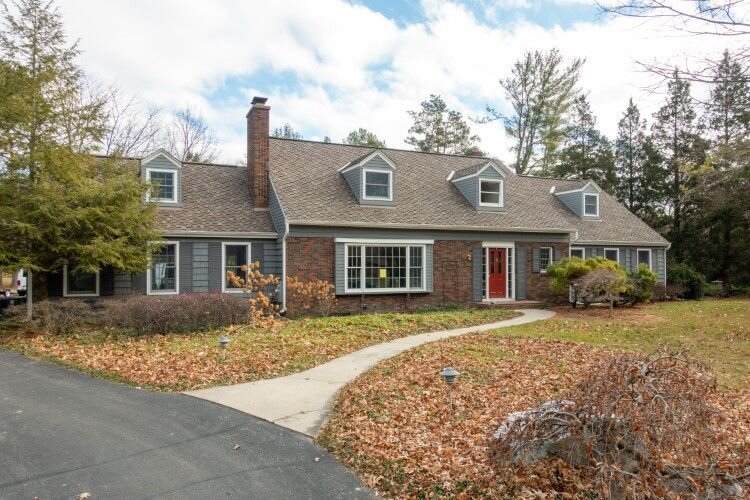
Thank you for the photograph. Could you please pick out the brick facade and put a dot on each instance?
(537, 284)
(314, 259)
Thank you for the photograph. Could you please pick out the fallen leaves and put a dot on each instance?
(424, 449)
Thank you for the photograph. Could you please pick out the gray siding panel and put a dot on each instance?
(353, 177)
(186, 267)
(139, 283)
(200, 267)
(468, 188)
(277, 211)
(520, 273)
(429, 268)
(477, 271)
(123, 283)
(340, 268)
(535, 261)
(215, 272)
(573, 201)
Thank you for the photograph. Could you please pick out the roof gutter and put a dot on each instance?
(431, 227)
(622, 243)
(218, 234)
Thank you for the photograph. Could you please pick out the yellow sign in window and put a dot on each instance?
(383, 273)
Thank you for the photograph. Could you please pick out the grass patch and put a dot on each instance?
(190, 361)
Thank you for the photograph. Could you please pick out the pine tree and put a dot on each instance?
(728, 111)
(587, 153)
(439, 129)
(363, 137)
(678, 141)
(286, 132)
(58, 204)
(630, 158)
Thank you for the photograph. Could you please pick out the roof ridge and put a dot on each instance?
(385, 148)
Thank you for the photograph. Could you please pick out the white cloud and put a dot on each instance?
(352, 66)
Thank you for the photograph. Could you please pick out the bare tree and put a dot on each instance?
(132, 129)
(189, 138)
(725, 18)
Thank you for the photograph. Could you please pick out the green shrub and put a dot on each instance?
(568, 273)
(689, 283)
(641, 283)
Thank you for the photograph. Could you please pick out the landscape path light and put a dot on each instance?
(223, 343)
(449, 375)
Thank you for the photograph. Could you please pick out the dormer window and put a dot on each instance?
(377, 185)
(591, 204)
(163, 188)
(490, 192)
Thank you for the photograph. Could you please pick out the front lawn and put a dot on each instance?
(192, 361)
(394, 427)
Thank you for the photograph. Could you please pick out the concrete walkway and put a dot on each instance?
(302, 401)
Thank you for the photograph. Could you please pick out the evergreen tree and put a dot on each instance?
(541, 90)
(631, 158)
(58, 204)
(439, 129)
(728, 111)
(286, 132)
(363, 137)
(677, 139)
(587, 153)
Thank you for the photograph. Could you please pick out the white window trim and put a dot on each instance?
(551, 258)
(507, 246)
(582, 249)
(174, 191)
(616, 250)
(176, 272)
(583, 200)
(73, 294)
(224, 245)
(363, 289)
(500, 183)
(390, 184)
(650, 258)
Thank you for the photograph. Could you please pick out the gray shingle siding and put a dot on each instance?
(123, 283)
(520, 273)
(629, 257)
(277, 211)
(573, 201)
(200, 266)
(186, 267)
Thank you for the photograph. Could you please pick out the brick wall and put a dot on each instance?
(314, 258)
(537, 284)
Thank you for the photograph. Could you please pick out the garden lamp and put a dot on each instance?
(223, 343)
(449, 375)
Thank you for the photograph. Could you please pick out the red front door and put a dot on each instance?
(497, 273)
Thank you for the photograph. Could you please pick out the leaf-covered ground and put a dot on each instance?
(191, 361)
(393, 425)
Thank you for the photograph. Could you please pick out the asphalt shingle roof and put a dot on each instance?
(312, 190)
(215, 198)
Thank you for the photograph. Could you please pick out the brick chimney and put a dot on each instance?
(257, 151)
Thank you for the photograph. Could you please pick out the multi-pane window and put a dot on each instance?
(491, 192)
(510, 272)
(163, 185)
(644, 257)
(354, 267)
(591, 204)
(373, 268)
(612, 254)
(377, 184)
(545, 258)
(163, 270)
(80, 283)
(236, 261)
(577, 252)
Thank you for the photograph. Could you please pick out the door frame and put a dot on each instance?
(508, 245)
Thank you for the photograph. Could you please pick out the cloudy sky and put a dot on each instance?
(329, 66)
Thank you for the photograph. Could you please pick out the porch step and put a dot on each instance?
(512, 304)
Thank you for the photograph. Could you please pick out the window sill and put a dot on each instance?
(383, 292)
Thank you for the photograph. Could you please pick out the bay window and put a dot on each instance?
(374, 268)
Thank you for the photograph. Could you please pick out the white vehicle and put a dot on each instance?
(21, 282)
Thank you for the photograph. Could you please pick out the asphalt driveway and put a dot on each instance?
(63, 433)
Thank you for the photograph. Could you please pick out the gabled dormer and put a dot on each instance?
(164, 172)
(584, 201)
(483, 185)
(372, 179)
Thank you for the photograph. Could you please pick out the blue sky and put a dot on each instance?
(331, 66)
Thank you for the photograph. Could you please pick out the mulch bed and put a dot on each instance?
(394, 426)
